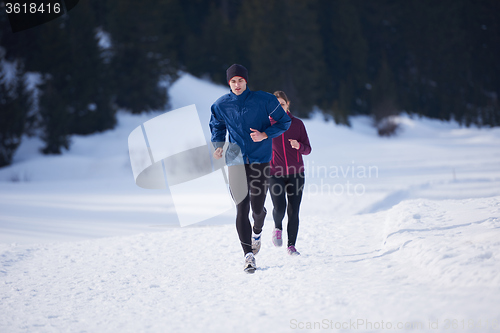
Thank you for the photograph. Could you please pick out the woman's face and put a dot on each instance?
(238, 85)
(284, 104)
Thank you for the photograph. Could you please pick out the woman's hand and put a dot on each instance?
(218, 153)
(294, 143)
(257, 136)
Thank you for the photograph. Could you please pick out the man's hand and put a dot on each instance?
(257, 136)
(218, 153)
(294, 143)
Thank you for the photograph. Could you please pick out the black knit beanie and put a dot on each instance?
(236, 70)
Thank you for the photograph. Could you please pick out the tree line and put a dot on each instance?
(346, 57)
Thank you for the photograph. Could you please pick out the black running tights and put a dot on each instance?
(257, 179)
(282, 188)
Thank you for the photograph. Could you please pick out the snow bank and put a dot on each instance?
(449, 243)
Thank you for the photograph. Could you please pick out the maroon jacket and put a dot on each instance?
(291, 162)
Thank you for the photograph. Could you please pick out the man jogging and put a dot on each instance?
(245, 115)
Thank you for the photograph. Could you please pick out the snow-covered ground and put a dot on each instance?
(396, 234)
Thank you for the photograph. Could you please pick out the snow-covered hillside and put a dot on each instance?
(396, 234)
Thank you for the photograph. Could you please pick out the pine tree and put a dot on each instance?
(215, 47)
(55, 115)
(90, 93)
(141, 55)
(346, 53)
(75, 97)
(285, 50)
(15, 105)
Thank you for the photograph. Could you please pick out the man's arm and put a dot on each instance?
(279, 115)
(217, 128)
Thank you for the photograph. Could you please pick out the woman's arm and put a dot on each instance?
(305, 145)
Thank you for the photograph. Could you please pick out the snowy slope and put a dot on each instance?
(396, 234)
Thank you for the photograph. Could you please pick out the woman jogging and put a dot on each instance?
(245, 115)
(287, 176)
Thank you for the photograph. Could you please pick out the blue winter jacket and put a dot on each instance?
(238, 113)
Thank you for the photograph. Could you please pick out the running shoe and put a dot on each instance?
(256, 243)
(277, 241)
(250, 265)
(293, 251)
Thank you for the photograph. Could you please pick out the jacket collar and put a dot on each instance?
(240, 97)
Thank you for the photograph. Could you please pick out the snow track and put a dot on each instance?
(416, 262)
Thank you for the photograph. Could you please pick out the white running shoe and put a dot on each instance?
(277, 241)
(256, 243)
(250, 265)
(293, 251)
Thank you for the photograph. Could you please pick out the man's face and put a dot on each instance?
(238, 85)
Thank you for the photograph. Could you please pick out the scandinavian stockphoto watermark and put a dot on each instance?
(330, 180)
(338, 180)
(452, 324)
(164, 155)
(354, 324)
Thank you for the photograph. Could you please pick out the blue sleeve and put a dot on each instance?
(217, 128)
(283, 121)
